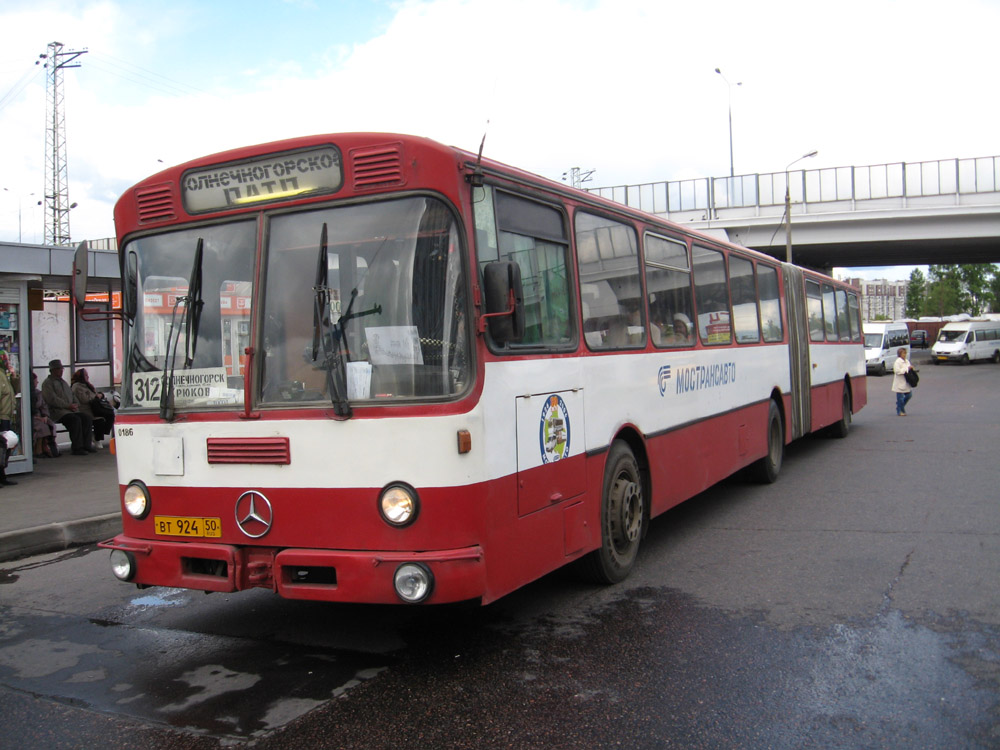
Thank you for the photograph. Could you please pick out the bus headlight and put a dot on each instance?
(137, 500)
(398, 504)
(413, 582)
(122, 564)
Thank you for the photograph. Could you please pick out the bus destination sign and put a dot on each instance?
(292, 174)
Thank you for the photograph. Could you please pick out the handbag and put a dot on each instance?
(912, 378)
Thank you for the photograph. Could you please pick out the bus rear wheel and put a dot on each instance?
(623, 515)
(843, 426)
(765, 470)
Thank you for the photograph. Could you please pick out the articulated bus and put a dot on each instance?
(371, 368)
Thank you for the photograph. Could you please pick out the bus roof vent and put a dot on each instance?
(155, 203)
(263, 450)
(377, 166)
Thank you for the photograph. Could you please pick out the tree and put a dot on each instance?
(995, 288)
(976, 282)
(916, 294)
(945, 295)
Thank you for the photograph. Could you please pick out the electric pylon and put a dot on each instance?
(57, 204)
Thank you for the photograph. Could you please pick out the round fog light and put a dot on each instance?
(122, 564)
(413, 582)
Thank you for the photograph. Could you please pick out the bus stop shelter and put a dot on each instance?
(38, 323)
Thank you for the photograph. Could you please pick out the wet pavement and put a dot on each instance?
(556, 665)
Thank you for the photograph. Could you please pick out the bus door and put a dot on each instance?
(550, 455)
(798, 350)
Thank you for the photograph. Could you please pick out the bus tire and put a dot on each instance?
(765, 470)
(840, 428)
(881, 369)
(623, 514)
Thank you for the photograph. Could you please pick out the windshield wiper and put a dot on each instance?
(334, 362)
(348, 316)
(190, 320)
(194, 305)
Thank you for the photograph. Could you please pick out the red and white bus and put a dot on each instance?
(456, 376)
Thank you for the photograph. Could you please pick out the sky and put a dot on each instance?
(626, 88)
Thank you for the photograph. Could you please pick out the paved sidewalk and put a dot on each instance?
(65, 501)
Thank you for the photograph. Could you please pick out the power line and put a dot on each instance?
(143, 77)
(19, 87)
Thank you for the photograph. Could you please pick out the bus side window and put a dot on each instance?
(711, 296)
(829, 313)
(610, 287)
(744, 291)
(843, 326)
(668, 288)
(855, 316)
(533, 235)
(770, 303)
(814, 305)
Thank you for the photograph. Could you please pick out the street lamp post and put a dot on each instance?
(788, 206)
(19, 198)
(732, 172)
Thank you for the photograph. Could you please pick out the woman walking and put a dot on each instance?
(900, 387)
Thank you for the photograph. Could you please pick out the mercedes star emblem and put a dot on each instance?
(254, 514)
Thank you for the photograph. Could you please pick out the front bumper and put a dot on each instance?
(316, 574)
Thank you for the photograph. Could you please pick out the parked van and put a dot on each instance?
(882, 341)
(967, 341)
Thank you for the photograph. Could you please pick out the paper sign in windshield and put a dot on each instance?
(394, 345)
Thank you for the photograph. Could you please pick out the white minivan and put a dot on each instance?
(967, 341)
(882, 341)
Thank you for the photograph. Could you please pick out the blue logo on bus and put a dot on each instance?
(553, 432)
(663, 377)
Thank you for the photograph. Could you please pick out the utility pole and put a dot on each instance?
(576, 176)
(57, 205)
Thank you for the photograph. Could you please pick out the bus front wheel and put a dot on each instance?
(623, 514)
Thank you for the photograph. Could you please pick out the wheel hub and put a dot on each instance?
(626, 511)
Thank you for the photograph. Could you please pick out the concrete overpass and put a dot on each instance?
(904, 213)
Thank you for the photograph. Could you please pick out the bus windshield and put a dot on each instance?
(394, 323)
(208, 369)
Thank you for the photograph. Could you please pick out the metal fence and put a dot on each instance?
(894, 180)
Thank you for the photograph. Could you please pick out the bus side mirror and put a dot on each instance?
(504, 301)
(130, 285)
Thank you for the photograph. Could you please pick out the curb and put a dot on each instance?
(52, 537)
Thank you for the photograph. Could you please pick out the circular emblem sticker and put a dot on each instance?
(553, 432)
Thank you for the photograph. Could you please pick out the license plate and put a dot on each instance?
(187, 526)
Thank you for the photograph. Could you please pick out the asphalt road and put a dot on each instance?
(853, 604)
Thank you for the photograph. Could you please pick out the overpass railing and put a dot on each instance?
(831, 184)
